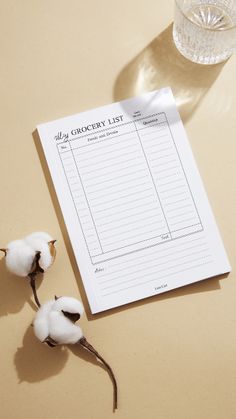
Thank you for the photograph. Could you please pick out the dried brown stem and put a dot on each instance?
(35, 269)
(32, 278)
(83, 342)
(4, 251)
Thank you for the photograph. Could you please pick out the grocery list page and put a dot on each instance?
(133, 202)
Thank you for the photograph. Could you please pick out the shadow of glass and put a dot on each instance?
(161, 65)
(35, 361)
(14, 291)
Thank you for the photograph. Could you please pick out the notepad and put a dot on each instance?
(133, 202)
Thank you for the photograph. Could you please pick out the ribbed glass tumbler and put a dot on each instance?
(204, 31)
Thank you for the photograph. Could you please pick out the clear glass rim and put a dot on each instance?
(207, 29)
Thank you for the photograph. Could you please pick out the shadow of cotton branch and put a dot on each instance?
(35, 361)
(15, 291)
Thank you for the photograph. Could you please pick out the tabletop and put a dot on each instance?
(174, 355)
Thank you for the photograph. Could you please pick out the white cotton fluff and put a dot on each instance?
(45, 237)
(19, 257)
(51, 322)
(70, 304)
(41, 324)
(39, 242)
(20, 254)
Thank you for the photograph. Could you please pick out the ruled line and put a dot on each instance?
(157, 279)
(145, 269)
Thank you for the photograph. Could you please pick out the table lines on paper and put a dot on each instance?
(129, 188)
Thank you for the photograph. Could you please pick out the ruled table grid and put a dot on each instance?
(129, 188)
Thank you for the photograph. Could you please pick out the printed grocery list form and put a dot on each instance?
(133, 202)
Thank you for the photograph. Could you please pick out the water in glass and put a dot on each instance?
(205, 31)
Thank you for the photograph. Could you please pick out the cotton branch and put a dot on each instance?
(83, 342)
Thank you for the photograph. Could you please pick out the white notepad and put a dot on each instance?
(133, 202)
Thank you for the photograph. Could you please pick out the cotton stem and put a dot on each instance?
(36, 269)
(83, 342)
(32, 278)
(4, 251)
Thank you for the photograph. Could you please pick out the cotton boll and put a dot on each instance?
(51, 322)
(19, 257)
(43, 242)
(27, 256)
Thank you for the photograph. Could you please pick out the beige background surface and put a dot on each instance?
(174, 355)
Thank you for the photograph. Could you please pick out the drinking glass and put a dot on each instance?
(204, 31)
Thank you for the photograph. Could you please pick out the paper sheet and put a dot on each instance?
(133, 202)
